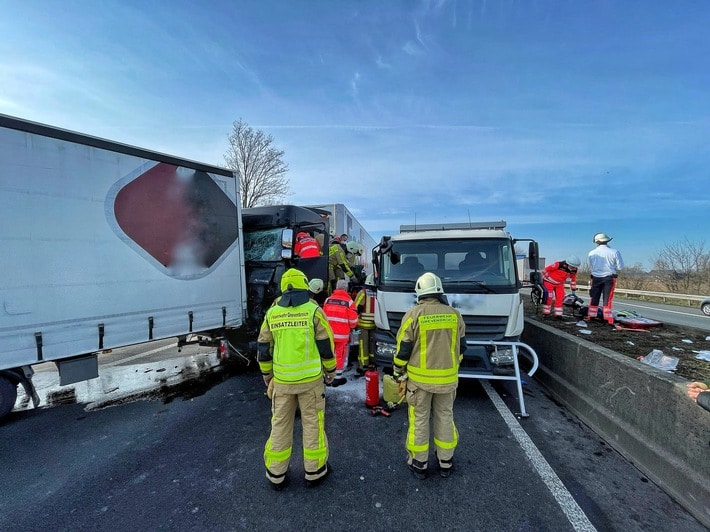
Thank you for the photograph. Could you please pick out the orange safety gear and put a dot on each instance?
(554, 277)
(306, 246)
(342, 317)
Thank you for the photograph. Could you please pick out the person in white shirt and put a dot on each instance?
(604, 265)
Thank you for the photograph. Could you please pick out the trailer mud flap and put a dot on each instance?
(78, 369)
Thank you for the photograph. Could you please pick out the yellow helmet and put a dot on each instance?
(293, 279)
(428, 284)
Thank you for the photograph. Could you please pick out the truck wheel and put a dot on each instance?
(8, 396)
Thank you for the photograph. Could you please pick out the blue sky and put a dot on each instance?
(564, 118)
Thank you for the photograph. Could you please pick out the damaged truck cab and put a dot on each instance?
(269, 250)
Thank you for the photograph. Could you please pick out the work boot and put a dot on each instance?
(419, 469)
(317, 482)
(339, 382)
(446, 467)
(280, 486)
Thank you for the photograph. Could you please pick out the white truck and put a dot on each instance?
(107, 245)
(477, 266)
(343, 221)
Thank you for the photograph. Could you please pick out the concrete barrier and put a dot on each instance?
(642, 412)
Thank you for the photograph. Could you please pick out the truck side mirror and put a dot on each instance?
(533, 256)
(287, 238)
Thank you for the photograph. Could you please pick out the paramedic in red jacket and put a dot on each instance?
(554, 278)
(306, 246)
(341, 312)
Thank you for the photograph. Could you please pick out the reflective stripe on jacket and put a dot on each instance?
(337, 261)
(296, 358)
(341, 313)
(306, 246)
(365, 303)
(553, 274)
(435, 331)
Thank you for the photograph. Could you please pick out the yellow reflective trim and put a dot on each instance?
(403, 327)
(320, 454)
(271, 456)
(411, 444)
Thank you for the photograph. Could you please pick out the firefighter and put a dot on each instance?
(342, 317)
(430, 346)
(604, 265)
(554, 278)
(338, 266)
(365, 301)
(306, 246)
(354, 252)
(294, 330)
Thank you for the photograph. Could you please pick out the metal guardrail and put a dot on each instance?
(663, 296)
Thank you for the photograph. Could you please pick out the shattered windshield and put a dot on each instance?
(264, 244)
(462, 264)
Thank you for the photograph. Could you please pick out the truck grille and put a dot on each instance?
(477, 327)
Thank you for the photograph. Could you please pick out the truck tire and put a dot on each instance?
(8, 396)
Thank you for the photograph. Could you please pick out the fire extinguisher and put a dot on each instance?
(372, 388)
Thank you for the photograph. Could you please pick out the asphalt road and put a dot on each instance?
(672, 314)
(194, 462)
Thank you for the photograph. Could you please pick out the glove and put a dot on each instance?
(267, 379)
(398, 375)
(329, 377)
(402, 388)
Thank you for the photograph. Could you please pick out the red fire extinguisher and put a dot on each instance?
(372, 388)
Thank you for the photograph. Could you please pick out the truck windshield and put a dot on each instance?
(263, 244)
(465, 265)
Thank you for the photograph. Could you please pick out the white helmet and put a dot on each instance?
(370, 280)
(428, 283)
(573, 260)
(602, 238)
(354, 247)
(315, 285)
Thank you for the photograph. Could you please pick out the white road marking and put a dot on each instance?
(692, 315)
(577, 518)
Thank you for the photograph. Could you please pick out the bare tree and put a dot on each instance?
(259, 165)
(683, 267)
(634, 278)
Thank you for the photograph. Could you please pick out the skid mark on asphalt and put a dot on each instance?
(577, 518)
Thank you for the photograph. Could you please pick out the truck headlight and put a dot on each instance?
(386, 350)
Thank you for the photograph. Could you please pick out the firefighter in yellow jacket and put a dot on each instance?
(365, 302)
(430, 346)
(338, 265)
(295, 349)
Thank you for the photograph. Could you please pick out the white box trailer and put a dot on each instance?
(344, 221)
(107, 245)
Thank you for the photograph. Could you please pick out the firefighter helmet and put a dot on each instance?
(293, 279)
(573, 261)
(354, 247)
(315, 285)
(428, 284)
(602, 238)
(370, 280)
